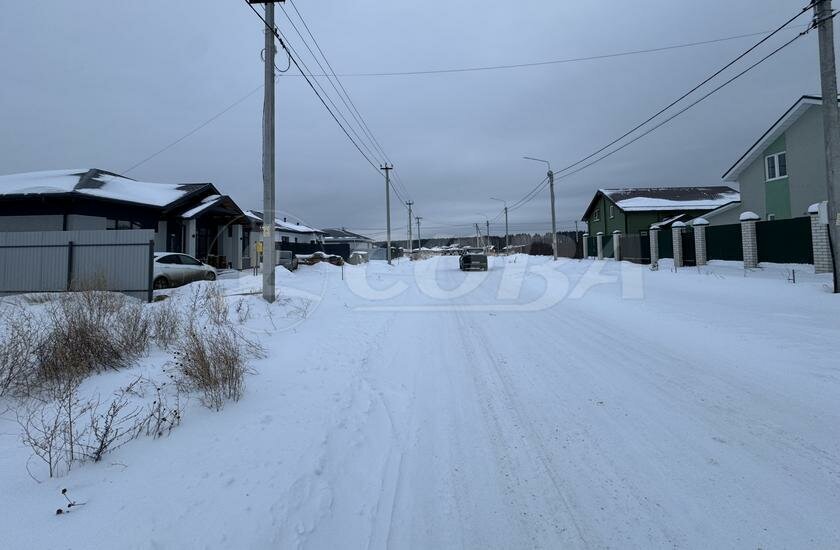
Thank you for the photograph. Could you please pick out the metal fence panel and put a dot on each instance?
(785, 241)
(666, 245)
(723, 242)
(54, 261)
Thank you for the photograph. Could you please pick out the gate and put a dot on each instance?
(689, 253)
(636, 247)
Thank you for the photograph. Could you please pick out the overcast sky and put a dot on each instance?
(96, 83)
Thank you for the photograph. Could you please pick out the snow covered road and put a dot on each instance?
(420, 407)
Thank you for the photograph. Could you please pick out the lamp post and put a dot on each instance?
(553, 217)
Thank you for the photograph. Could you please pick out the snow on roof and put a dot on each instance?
(671, 198)
(204, 205)
(344, 235)
(281, 224)
(94, 183)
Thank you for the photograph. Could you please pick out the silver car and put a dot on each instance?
(175, 269)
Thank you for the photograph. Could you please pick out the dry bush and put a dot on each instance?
(91, 331)
(243, 310)
(214, 305)
(166, 323)
(65, 430)
(211, 361)
(20, 333)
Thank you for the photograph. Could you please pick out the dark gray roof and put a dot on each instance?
(345, 235)
(643, 199)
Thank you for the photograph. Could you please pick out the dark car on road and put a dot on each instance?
(473, 259)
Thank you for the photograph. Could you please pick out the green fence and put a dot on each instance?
(785, 241)
(666, 245)
(723, 242)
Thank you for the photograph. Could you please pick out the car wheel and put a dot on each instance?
(160, 283)
(211, 276)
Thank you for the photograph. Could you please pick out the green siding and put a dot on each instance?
(776, 192)
(777, 198)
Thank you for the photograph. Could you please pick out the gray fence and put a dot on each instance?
(55, 261)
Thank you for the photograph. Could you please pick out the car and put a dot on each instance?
(317, 257)
(357, 257)
(287, 259)
(473, 259)
(174, 269)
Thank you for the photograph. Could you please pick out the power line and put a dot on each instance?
(691, 91)
(553, 61)
(292, 54)
(531, 194)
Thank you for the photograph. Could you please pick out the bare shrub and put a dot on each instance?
(165, 323)
(65, 430)
(243, 310)
(19, 336)
(211, 360)
(215, 305)
(91, 331)
(42, 430)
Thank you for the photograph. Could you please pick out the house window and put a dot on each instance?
(612, 211)
(596, 216)
(775, 166)
(111, 223)
(284, 239)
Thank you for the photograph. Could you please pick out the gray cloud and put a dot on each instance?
(96, 83)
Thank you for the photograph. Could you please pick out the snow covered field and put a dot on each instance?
(580, 404)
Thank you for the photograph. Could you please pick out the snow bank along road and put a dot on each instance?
(539, 405)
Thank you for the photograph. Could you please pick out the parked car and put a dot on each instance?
(473, 259)
(175, 269)
(287, 259)
(357, 257)
(316, 257)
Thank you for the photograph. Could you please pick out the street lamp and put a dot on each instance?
(507, 238)
(553, 217)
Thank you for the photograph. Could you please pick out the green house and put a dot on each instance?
(783, 173)
(633, 210)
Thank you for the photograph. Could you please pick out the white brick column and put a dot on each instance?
(617, 245)
(599, 242)
(585, 245)
(819, 240)
(192, 230)
(654, 245)
(699, 226)
(749, 243)
(676, 241)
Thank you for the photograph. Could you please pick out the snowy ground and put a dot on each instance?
(576, 405)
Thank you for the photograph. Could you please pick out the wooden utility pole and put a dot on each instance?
(269, 292)
(419, 242)
(387, 170)
(823, 19)
(410, 245)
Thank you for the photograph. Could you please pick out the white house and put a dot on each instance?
(288, 232)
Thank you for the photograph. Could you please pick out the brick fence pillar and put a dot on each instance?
(699, 225)
(676, 239)
(617, 245)
(654, 246)
(819, 241)
(749, 243)
(599, 242)
(585, 245)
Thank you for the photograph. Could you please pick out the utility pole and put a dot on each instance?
(553, 217)
(507, 237)
(487, 235)
(419, 242)
(410, 245)
(269, 292)
(387, 170)
(823, 18)
(477, 236)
